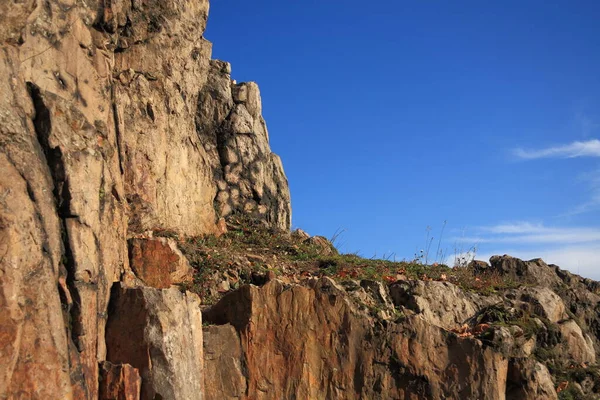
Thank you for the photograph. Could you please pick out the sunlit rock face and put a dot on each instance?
(102, 137)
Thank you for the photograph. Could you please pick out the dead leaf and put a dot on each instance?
(562, 386)
(479, 329)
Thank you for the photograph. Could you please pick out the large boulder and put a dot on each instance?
(441, 303)
(313, 342)
(528, 379)
(533, 271)
(577, 345)
(159, 332)
(544, 302)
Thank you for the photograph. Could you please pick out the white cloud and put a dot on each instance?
(582, 208)
(593, 180)
(589, 148)
(516, 227)
(525, 232)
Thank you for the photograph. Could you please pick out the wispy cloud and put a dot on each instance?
(585, 124)
(593, 181)
(515, 227)
(526, 232)
(592, 204)
(589, 148)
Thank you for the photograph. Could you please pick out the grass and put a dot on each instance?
(288, 255)
(249, 248)
(576, 374)
(498, 315)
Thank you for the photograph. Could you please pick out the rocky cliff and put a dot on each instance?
(114, 122)
(288, 318)
(145, 250)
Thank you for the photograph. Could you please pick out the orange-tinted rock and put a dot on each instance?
(34, 357)
(223, 363)
(312, 342)
(158, 262)
(119, 382)
(221, 227)
(159, 332)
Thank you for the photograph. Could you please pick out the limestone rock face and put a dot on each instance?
(577, 345)
(115, 123)
(310, 342)
(545, 302)
(441, 303)
(528, 379)
(407, 340)
(534, 271)
(159, 332)
(102, 136)
(33, 346)
(160, 66)
(250, 178)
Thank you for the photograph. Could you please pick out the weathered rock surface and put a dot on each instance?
(158, 262)
(250, 178)
(441, 303)
(159, 332)
(34, 355)
(409, 339)
(312, 342)
(325, 247)
(223, 363)
(119, 382)
(114, 121)
(528, 379)
(533, 271)
(101, 136)
(578, 345)
(545, 303)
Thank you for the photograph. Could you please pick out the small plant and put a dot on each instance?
(336, 236)
(424, 255)
(166, 233)
(399, 316)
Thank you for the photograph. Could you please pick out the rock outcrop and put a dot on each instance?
(102, 137)
(411, 339)
(250, 178)
(311, 342)
(119, 382)
(158, 332)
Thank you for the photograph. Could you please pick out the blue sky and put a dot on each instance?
(392, 117)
